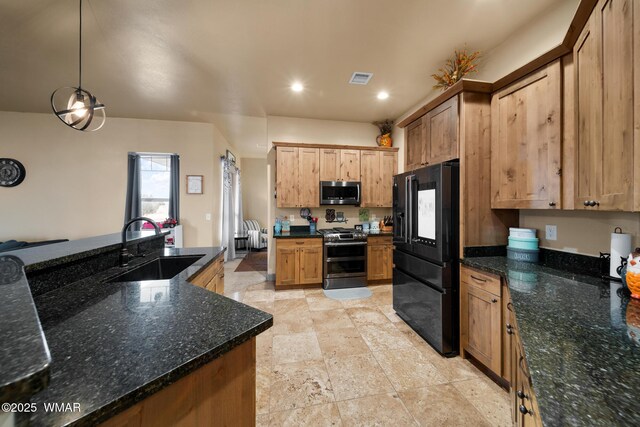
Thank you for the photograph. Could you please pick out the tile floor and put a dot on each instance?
(355, 363)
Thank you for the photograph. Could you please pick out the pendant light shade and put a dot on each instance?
(75, 106)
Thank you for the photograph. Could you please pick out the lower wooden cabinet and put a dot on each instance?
(211, 277)
(379, 258)
(298, 262)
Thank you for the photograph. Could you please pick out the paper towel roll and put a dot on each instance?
(620, 247)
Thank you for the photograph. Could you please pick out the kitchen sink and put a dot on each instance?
(159, 269)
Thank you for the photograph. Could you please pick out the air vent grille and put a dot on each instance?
(359, 78)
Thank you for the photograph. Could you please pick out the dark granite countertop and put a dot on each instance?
(297, 235)
(114, 344)
(581, 340)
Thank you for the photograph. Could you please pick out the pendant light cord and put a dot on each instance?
(80, 51)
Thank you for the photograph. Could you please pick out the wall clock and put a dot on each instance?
(12, 172)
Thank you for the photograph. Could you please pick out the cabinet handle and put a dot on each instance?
(586, 203)
(509, 306)
(509, 329)
(299, 243)
(494, 300)
(478, 279)
(524, 411)
(552, 204)
(522, 395)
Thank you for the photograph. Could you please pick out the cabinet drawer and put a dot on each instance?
(298, 243)
(379, 240)
(488, 282)
(204, 276)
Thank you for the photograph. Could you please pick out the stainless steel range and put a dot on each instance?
(345, 258)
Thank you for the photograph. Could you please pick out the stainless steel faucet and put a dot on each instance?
(124, 253)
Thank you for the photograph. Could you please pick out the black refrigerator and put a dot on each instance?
(426, 261)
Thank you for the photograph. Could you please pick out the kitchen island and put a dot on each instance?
(581, 342)
(146, 350)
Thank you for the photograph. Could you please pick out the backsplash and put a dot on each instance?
(350, 213)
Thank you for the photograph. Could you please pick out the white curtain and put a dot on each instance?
(231, 207)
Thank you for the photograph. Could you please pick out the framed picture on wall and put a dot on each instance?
(195, 184)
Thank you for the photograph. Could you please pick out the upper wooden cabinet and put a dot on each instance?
(330, 164)
(434, 137)
(350, 165)
(526, 140)
(441, 125)
(607, 175)
(376, 173)
(297, 177)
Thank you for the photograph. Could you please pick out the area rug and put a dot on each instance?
(347, 294)
(254, 261)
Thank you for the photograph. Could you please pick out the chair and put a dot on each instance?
(257, 236)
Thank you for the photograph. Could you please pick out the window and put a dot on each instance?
(155, 185)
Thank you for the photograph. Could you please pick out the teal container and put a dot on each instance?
(528, 243)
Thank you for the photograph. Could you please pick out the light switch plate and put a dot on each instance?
(551, 232)
(207, 216)
(292, 218)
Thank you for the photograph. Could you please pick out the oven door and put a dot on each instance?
(345, 259)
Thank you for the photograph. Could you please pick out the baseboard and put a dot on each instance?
(271, 277)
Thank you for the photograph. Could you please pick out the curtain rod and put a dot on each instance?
(143, 153)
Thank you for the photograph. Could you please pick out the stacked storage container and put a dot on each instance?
(523, 245)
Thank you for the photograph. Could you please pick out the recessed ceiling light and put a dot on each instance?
(297, 87)
(383, 95)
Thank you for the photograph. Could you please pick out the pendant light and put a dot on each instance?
(75, 106)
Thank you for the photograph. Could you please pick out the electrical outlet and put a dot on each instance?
(207, 216)
(551, 232)
(292, 218)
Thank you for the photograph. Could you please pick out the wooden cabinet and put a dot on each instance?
(481, 318)
(376, 175)
(607, 148)
(298, 262)
(441, 125)
(526, 139)
(415, 144)
(350, 165)
(211, 277)
(297, 177)
(330, 164)
(379, 258)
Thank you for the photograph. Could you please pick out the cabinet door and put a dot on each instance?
(480, 325)
(442, 133)
(388, 168)
(309, 177)
(388, 262)
(287, 177)
(286, 265)
(310, 265)
(414, 144)
(329, 164)
(507, 332)
(370, 178)
(526, 142)
(350, 165)
(375, 262)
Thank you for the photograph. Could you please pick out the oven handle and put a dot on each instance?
(346, 244)
(345, 258)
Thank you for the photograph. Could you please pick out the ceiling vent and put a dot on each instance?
(360, 78)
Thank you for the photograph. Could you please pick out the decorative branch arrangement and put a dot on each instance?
(461, 64)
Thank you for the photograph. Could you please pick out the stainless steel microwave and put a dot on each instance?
(340, 193)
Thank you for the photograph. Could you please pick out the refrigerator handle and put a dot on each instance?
(409, 208)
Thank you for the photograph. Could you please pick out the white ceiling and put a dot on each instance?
(216, 60)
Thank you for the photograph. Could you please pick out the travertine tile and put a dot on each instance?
(380, 337)
(264, 349)
(320, 302)
(408, 369)
(263, 388)
(296, 348)
(331, 319)
(314, 292)
(382, 410)
(388, 311)
(317, 416)
(262, 286)
(367, 316)
(357, 376)
(441, 405)
(292, 323)
(360, 302)
(488, 398)
(291, 306)
(301, 384)
(262, 420)
(289, 294)
(260, 295)
(261, 305)
(382, 298)
(341, 342)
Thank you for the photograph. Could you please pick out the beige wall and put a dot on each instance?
(581, 231)
(76, 181)
(255, 190)
(312, 131)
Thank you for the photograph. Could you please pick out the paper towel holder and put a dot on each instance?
(615, 230)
